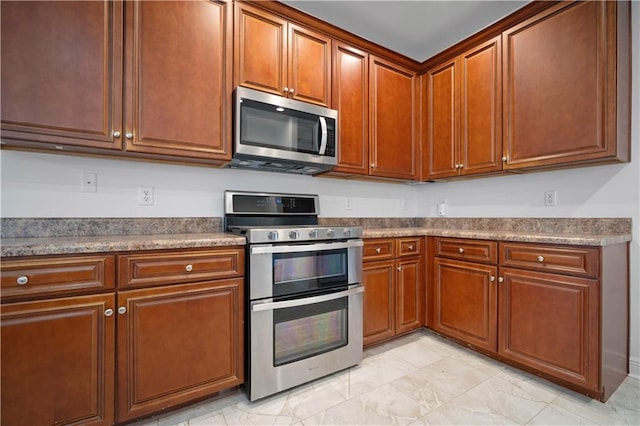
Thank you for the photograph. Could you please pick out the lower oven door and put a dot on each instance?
(294, 341)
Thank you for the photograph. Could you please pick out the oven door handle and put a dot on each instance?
(305, 248)
(268, 306)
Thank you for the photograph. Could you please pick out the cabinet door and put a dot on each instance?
(351, 98)
(58, 361)
(466, 302)
(62, 72)
(393, 139)
(260, 56)
(533, 305)
(442, 119)
(201, 323)
(179, 78)
(560, 80)
(409, 294)
(309, 57)
(379, 301)
(480, 144)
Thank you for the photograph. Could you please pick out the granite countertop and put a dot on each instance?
(111, 243)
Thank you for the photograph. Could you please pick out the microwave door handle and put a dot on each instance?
(269, 306)
(323, 137)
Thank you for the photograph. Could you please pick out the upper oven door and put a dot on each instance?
(284, 269)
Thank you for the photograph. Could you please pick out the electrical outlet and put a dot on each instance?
(442, 207)
(403, 204)
(145, 195)
(89, 182)
(550, 199)
(347, 203)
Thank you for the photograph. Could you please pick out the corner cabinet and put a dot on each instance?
(394, 288)
(558, 311)
(463, 113)
(567, 86)
(171, 102)
(280, 57)
(393, 137)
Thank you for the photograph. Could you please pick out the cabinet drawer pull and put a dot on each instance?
(22, 280)
(460, 250)
(108, 312)
(122, 310)
(286, 90)
(492, 278)
(500, 279)
(291, 90)
(129, 135)
(540, 258)
(189, 268)
(504, 159)
(411, 247)
(399, 268)
(378, 250)
(116, 134)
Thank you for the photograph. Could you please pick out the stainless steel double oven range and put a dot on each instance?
(304, 291)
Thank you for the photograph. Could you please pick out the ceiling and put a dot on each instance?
(418, 29)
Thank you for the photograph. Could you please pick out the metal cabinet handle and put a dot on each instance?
(189, 268)
(410, 247)
(500, 279)
(129, 135)
(460, 250)
(378, 250)
(540, 258)
(504, 159)
(286, 90)
(108, 312)
(399, 268)
(116, 134)
(373, 164)
(122, 310)
(492, 278)
(291, 90)
(22, 280)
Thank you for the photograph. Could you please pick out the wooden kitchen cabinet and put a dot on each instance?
(463, 113)
(59, 93)
(280, 57)
(179, 74)
(58, 340)
(464, 295)
(62, 73)
(394, 287)
(567, 86)
(178, 343)
(393, 138)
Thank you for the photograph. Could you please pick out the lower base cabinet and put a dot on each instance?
(558, 311)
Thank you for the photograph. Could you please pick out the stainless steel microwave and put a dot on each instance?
(279, 134)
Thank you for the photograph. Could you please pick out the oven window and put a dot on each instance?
(309, 330)
(306, 271)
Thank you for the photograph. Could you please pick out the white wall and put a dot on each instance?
(43, 185)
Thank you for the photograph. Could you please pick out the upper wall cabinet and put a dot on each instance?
(279, 57)
(62, 80)
(463, 113)
(178, 78)
(393, 139)
(567, 87)
(62, 72)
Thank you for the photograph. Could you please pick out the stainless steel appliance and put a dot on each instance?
(279, 134)
(305, 297)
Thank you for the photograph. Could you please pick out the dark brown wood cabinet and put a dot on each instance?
(558, 311)
(394, 148)
(280, 57)
(394, 287)
(178, 79)
(567, 86)
(464, 294)
(178, 343)
(463, 120)
(64, 87)
(62, 73)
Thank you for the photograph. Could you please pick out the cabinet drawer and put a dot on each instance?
(567, 259)
(152, 269)
(23, 279)
(408, 246)
(465, 249)
(379, 249)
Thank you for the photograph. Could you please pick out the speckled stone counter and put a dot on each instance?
(34, 237)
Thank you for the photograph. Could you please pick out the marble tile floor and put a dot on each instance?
(418, 379)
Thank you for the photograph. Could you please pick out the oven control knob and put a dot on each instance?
(346, 232)
(313, 233)
(272, 235)
(293, 235)
(330, 233)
